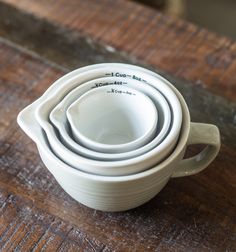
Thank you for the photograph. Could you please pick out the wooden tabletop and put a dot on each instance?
(42, 40)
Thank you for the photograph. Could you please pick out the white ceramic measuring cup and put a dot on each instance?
(115, 168)
(59, 119)
(119, 193)
(113, 119)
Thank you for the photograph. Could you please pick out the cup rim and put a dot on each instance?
(98, 166)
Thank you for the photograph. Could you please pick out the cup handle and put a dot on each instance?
(200, 133)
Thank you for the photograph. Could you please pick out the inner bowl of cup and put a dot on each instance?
(114, 168)
(113, 119)
(59, 119)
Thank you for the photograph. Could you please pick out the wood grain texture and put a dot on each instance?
(169, 44)
(195, 213)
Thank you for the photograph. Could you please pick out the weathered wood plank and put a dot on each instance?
(169, 44)
(192, 213)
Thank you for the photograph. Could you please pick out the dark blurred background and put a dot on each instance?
(216, 15)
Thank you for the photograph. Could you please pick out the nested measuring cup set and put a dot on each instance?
(113, 135)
